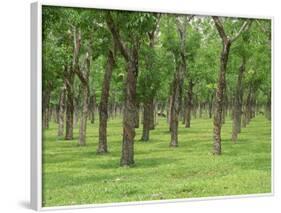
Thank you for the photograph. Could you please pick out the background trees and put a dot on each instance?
(108, 64)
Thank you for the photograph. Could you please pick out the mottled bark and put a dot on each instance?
(69, 79)
(46, 108)
(147, 117)
(237, 107)
(83, 75)
(210, 105)
(127, 157)
(177, 85)
(268, 106)
(103, 106)
(187, 116)
(84, 115)
(219, 98)
(221, 83)
(131, 57)
(247, 108)
(93, 107)
(175, 105)
(61, 111)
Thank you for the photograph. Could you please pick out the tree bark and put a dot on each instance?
(220, 97)
(131, 57)
(210, 105)
(237, 108)
(175, 105)
(46, 107)
(147, 117)
(221, 83)
(93, 107)
(83, 75)
(84, 115)
(61, 112)
(69, 78)
(188, 109)
(178, 81)
(127, 157)
(268, 106)
(103, 107)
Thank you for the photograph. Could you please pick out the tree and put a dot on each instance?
(103, 107)
(149, 80)
(221, 83)
(136, 25)
(177, 85)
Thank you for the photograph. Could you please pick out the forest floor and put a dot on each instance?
(77, 175)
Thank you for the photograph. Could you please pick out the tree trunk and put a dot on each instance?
(93, 107)
(69, 77)
(178, 81)
(127, 157)
(46, 108)
(175, 105)
(237, 108)
(84, 115)
(247, 109)
(103, 107)
(61, 112)
(169, 110)
(152, 115)
(268, 106)
(220, 98)
(188, 104)
(147, 117)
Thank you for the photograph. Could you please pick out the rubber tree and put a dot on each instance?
(149, 80)
(177, 84)
(103, 106)
(221, 82)
(134, 26)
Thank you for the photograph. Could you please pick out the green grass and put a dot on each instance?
(77, 175)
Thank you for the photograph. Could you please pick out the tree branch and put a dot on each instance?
(246, 25)
(116, 37)
(220, 28)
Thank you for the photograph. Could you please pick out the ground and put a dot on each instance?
(77, 175)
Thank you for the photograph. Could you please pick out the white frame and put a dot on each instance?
(36, 104)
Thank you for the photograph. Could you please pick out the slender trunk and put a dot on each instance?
(169, 110)
(127, 157)
(46, 108)
(178, 81)
(147, 117)
(93, 107)
(247, 109)
(176, 103)
(69, 77)
(237, 108)
(220, 97)
(188, 104)
(84, 115)
(103, 107)
(61, 112)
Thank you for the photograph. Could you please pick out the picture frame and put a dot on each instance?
(36, 110)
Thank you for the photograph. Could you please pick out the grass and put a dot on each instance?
(77, 175)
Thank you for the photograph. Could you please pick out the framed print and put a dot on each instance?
(135, 106)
